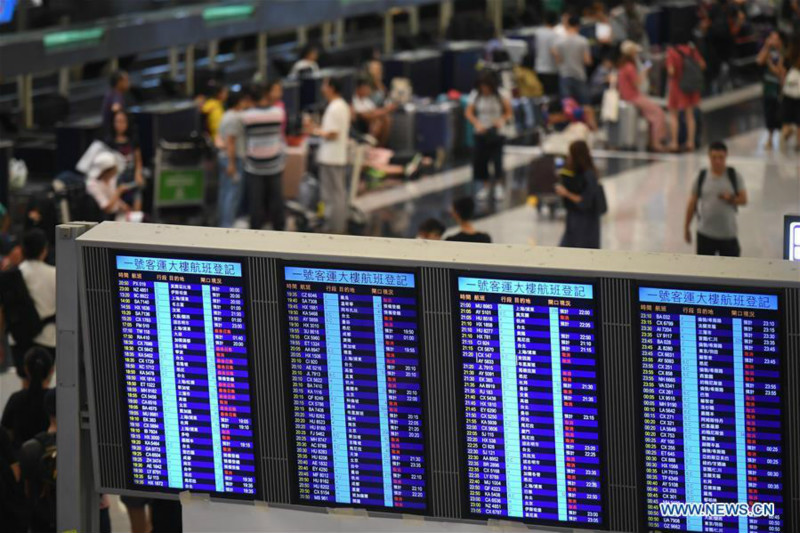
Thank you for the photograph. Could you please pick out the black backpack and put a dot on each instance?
(701, 179)
(22, 319)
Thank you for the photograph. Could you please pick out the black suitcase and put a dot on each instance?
(422, 67)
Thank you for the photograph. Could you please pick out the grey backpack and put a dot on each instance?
(692, 79)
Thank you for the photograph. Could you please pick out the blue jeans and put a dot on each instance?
(574, 88)
(230, 192)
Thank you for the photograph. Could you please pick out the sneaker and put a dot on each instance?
(499, 192)
(483, 194)
(413, 165)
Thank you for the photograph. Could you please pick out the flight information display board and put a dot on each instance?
(357, 407)
(711, 377)
(532, 410)
(186, 374)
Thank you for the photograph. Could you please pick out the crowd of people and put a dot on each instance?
(248, 131)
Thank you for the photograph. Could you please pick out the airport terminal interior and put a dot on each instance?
(399, 265)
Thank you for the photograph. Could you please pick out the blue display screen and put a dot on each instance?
(711, 376)
(356, 387)
(186, 371)
(7, 10)
(530, 375)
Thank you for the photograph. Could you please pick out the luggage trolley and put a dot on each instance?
(179, 176)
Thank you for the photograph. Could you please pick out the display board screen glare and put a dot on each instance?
(532, 412)
(185, 364)
(357, 412)
(711, 383)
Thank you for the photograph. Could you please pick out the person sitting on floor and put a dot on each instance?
(377, 121)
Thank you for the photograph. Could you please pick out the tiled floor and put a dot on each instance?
(647, 204)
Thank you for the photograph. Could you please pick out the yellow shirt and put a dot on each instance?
(213, 110)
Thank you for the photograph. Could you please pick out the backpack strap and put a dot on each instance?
(732, 179)
(701, 178)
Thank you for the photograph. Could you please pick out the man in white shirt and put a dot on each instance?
(377, 120)
(40, 281)
(332, 156)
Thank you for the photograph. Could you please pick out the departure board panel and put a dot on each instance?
(711, 377)
(532, 413)
(186, 374)
(356, 387)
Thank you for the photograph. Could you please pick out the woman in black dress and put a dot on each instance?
(583, 199)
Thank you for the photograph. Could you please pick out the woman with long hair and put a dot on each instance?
(124, 140)
(583, 200)
(24, 415)
(488, 111)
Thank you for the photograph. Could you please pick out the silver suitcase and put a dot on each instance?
(622, 134)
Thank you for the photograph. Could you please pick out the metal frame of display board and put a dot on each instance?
(85, 338)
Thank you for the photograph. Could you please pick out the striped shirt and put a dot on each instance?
(265, 150)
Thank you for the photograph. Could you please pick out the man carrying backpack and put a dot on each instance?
(716, 195)
(28, 300)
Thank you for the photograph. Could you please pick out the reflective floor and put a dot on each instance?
(647, 203)
(647, 196)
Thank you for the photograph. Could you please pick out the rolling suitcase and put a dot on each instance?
(435, 128)
(402, 135)
(623, 132)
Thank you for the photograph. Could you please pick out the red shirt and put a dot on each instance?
(628, 82)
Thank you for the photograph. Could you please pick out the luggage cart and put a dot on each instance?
(180, 180)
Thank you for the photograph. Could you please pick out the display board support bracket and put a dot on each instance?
(77, 501)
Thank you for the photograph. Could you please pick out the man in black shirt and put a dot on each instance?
(463, 210)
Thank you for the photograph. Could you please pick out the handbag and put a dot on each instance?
(609, 109)
(791, 87)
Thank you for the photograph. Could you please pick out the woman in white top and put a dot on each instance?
(102, 185)
(489, 112)
(307, 63)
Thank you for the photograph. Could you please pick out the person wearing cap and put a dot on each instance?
(629, 78)
(102, 185)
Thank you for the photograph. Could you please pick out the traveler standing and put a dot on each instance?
(231, 142)
(332, 156)
(488, 111)
(546, 69)
(629, 79)
(790, 109)
(716, 194)
(114, 100)
(583, 198)
(307, 64)
(770, 59)
(573, 54)
(685, 68)
(214, 107)
(24, 415)
(265, 158)
(39, 279)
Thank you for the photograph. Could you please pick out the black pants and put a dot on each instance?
(772, 113)
(265, 193)
(18, 352)
(488, 149)
(549, 83)
(723, 247)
